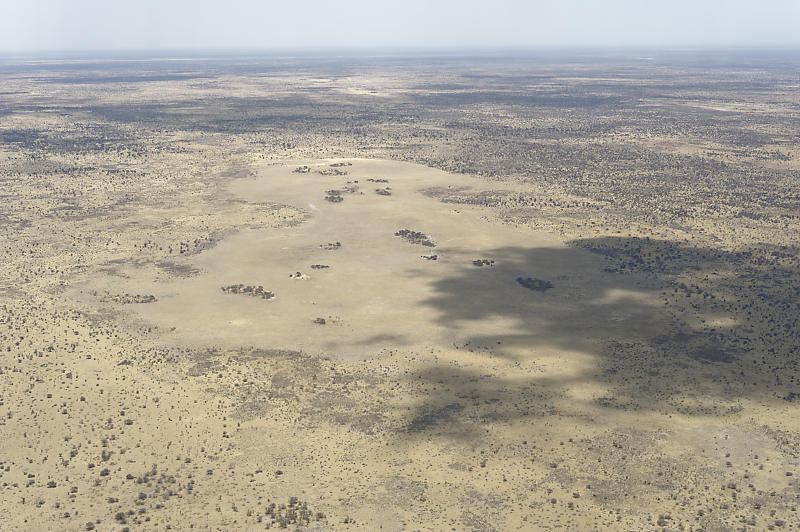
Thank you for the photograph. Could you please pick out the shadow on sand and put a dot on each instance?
(621, 317)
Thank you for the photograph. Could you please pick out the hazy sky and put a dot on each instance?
(244, 24)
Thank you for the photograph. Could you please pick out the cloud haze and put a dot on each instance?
(250, 24)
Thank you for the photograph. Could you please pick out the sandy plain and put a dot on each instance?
(425, 380)
(644, 379)
(376, 290)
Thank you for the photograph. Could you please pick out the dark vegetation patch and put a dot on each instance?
(334, 196)
(415, 237)
(295, 513)
(337, 195)
(332, 171)
(248, 290)
(107, 297)
(537, 285)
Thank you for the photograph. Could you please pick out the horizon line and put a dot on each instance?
(365, 50)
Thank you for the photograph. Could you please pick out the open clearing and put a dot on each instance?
(377, 291)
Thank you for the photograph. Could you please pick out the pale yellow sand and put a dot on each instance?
(379, 292)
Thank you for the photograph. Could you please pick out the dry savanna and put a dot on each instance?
(445, 293)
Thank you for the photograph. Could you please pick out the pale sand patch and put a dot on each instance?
(378, 291)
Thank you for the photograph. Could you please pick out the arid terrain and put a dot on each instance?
(523, 292)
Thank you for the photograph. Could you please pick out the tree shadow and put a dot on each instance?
(639, 324)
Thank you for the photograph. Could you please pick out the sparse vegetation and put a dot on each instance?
(415, 237)
(537, 285)
(648, 384)
(248, 290)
